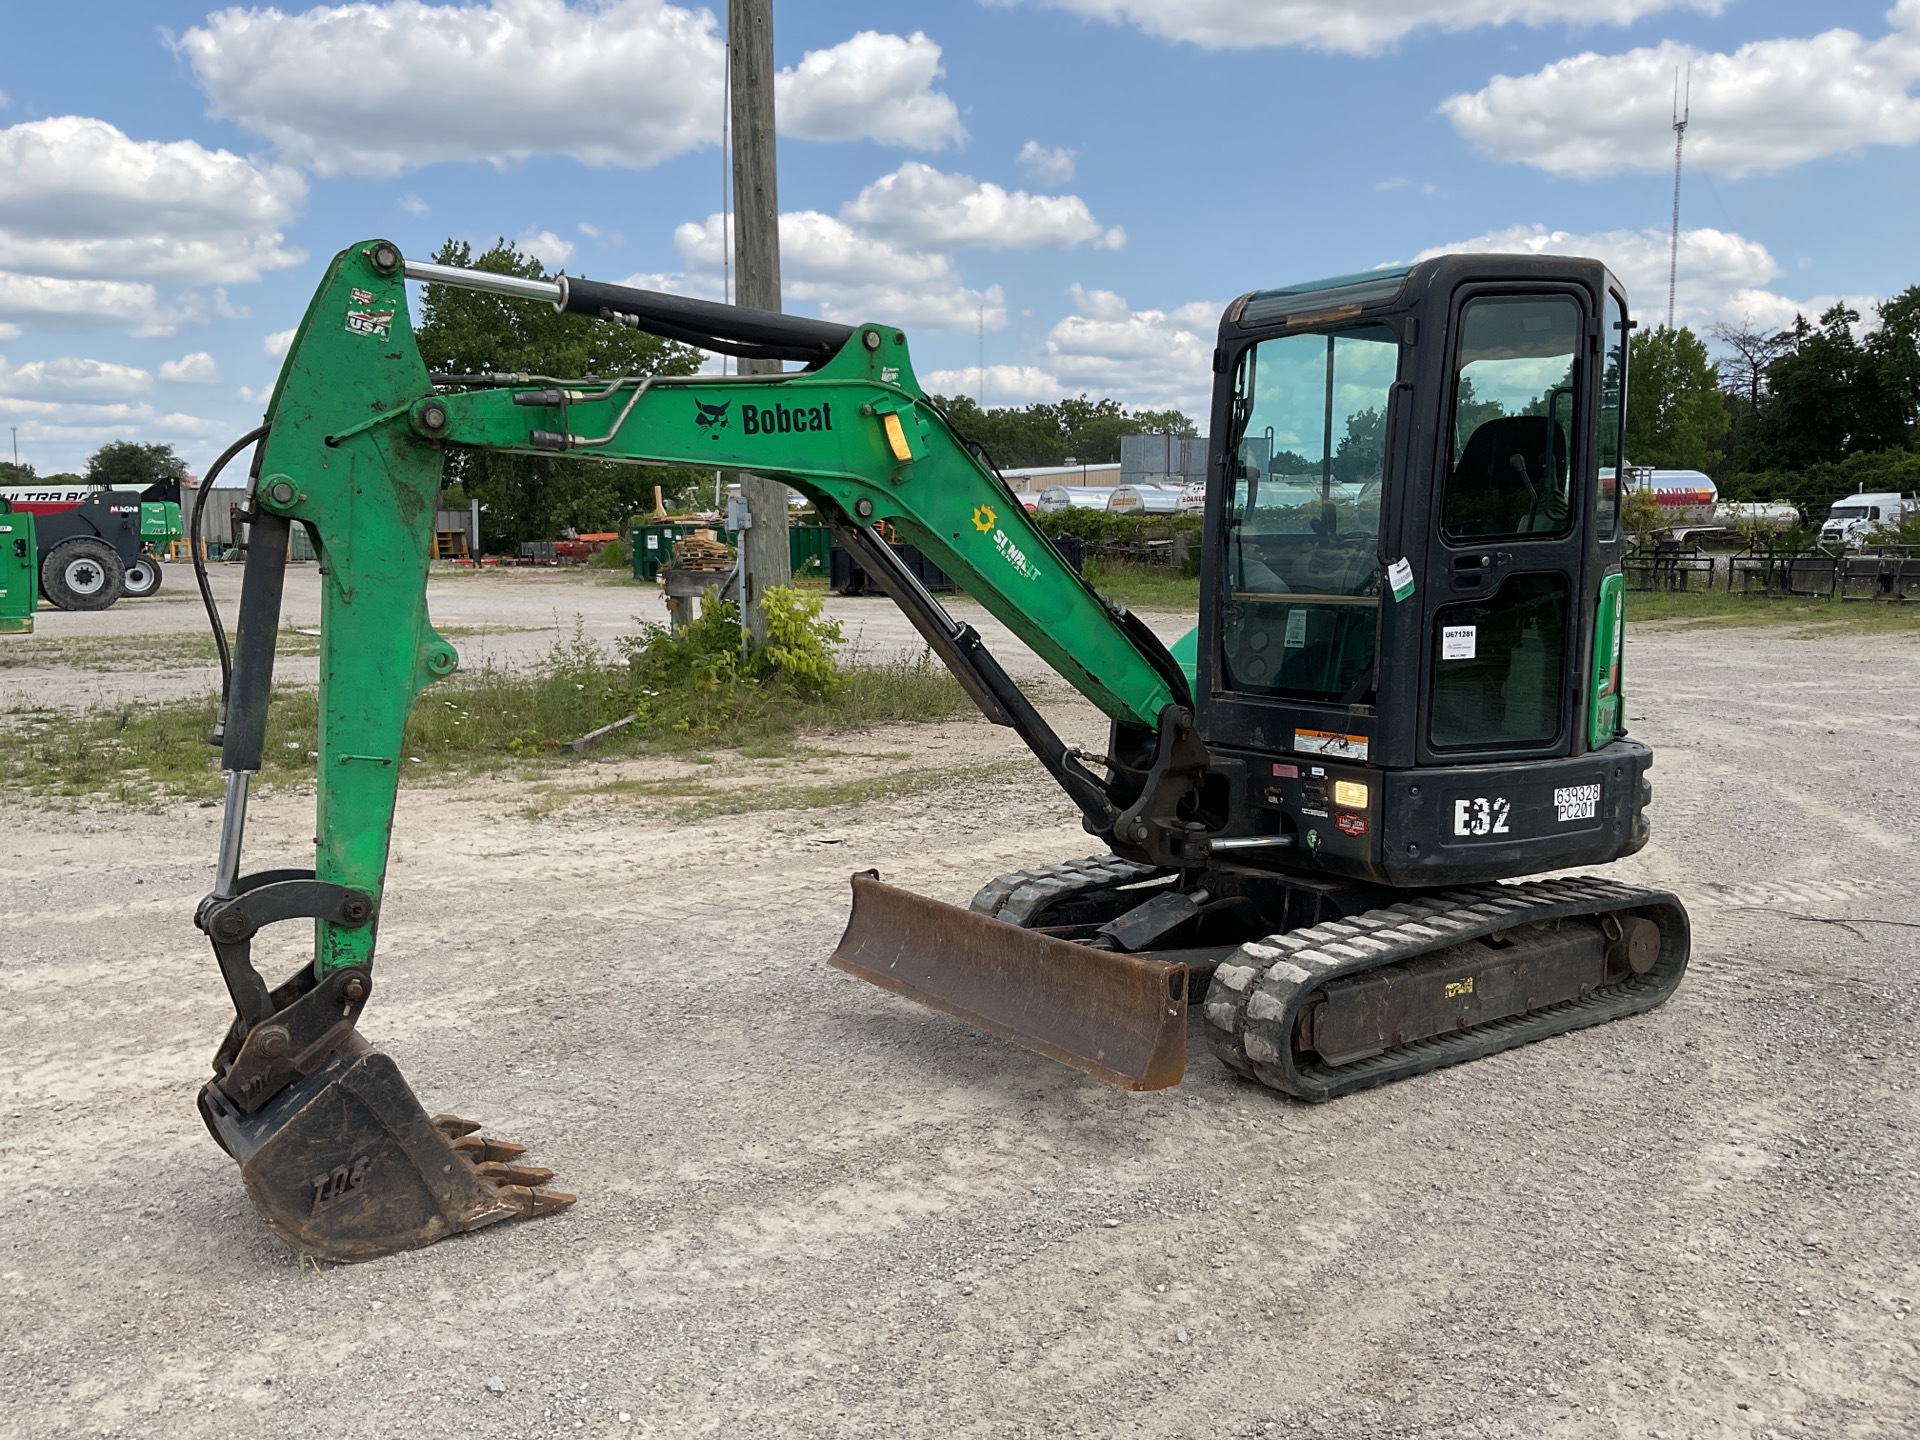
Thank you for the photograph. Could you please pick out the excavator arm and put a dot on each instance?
(338, 1156)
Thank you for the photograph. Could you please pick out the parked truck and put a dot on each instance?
(1859, 519)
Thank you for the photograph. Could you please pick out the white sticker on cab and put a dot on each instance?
(1457, 642)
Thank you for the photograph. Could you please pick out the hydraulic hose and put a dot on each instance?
(196, 547)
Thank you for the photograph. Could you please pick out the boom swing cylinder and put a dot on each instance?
(1336, 958)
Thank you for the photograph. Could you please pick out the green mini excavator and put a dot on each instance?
(1404, 688)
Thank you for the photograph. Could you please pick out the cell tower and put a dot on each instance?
(1682, 110)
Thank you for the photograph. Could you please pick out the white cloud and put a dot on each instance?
(1723, 277)
(80, 199)
(1139, 357)
(1358, 27)
(703, 283)
(71, 378)
(889, 253)
(871, 87)
(850, 276)
(1766, 106)
(919, 205)
(278, 343)
(380, 87)
(612, 239)
(412, 204)
(1002, 384)
(1046, 164)
(195, 369)
(45, 303)
(70, 431)
(546, 247)
(72, 401)
(1149, 359)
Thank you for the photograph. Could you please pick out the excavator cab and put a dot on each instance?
(1408, 658)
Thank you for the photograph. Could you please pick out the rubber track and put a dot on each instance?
(1020, 895)
(1256, 997)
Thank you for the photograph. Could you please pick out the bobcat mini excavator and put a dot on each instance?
(1404, 688)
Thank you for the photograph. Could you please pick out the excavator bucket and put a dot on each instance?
(1121, 1018)
(345, 1165)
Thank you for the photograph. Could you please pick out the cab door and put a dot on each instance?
(1510, 539)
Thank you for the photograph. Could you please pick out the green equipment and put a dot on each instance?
(19, 571)
(1403, 689)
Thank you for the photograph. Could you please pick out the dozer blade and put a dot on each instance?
(345, 1165)
(1121, 1018)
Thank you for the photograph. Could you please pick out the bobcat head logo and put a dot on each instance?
(711, 417)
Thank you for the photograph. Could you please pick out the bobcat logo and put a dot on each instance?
(711, 417)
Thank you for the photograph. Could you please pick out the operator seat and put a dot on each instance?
(1510, 479)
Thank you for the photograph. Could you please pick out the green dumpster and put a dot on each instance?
(19, 572)
(653, 545)
(808, 547)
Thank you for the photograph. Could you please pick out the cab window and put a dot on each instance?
(1513, 419)
(1613, 416)
(1302, 575)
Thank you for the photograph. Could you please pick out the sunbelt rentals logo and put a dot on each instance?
(985, 521)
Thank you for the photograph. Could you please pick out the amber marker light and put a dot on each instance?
(896, 437)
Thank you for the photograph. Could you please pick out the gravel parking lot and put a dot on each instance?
(808, 1208)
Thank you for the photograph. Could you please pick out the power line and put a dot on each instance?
(1682, 112)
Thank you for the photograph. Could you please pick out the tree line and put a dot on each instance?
(1810, 413)
(1050, 432)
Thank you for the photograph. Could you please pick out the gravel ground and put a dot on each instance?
(808, 1208)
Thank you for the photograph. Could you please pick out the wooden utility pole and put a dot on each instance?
(756, 254)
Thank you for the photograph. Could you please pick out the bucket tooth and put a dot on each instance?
(453, 1127)
(478, 1148)
(501, 1173)
(530, 1201)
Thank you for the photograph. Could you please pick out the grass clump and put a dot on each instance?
(1144, 587)
(691, 691)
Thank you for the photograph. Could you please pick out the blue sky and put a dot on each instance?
(1091, 179)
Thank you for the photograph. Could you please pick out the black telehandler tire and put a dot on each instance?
(82, 574)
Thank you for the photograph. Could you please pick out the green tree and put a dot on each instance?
(1676, 415)
(129, 465)
(1363, 449)
(1166, 422)
(1749, 354)
(1894, 351)
(12, 474)
(1828, 399)
(524, 497)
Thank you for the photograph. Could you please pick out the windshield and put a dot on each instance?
(1847, 512)
(1303, 575)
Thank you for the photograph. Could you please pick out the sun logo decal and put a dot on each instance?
(983, 518)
